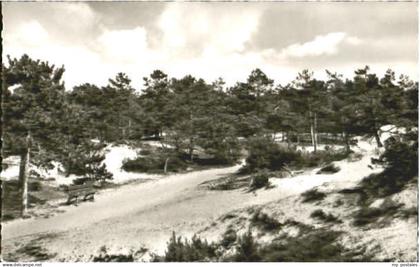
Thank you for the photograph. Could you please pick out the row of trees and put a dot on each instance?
(43, 122)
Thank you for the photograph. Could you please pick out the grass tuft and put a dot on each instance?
(312, 196)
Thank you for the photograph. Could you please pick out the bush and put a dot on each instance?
(400, 160)
(104, 256)
(229, 238)
(309, 246)
(265, 154)
(113, 258)
(317, 245)
(145, 152)
(312, 195)
(185, 251)
(366, 215)
(329, 169)
(264, 221)
(321, 157)
(86, 160)
(321, 215)
(247, 249)
(81, 181)
(259, 180)
(34, 186)
(154, 164)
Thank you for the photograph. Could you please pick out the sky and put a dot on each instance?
(96, 40)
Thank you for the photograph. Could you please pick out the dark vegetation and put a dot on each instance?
(35, 252)
(311, 245)
(265, 154)
(32, 251)
(159, 161)
(259, 180)
(369, 216)
(179, 250)
(105, 256)
(229, 238)
(315, 245)
(329, 169)
(154, 164)
(328, 218)
(400, 161)
(264, 221)
(312, 196)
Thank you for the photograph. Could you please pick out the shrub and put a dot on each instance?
(221, 151)
(104, 256)
(113, 258)
(229, 238)
(154, 164)
(86, 160)
(265, 222)
(321, 215)
(365, 215)
(318, 245)
(265, 154)
(81, 181)
(185, 251)
(247, 249)
(330, 168)
(35, 252)
(259, 180)
(34, 186)
(313, 195)
(309, 246)
(401, 167)
(145, 152)
(321, 157)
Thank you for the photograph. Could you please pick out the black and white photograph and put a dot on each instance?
(209, 131)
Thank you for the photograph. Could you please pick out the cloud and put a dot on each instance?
(204, 27)
(123, 45)
(207, 40)
(320, 45)
(31, 34)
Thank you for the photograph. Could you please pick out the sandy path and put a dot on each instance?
(124, 200)
(131, 215)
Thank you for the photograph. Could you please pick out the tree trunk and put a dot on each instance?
(378, 139)
(191, 152)
(191, 149)
(315, 132)
(312, 131)
(123, 132)
(24, 174)
(347, 142)
(166, 165)
(129, 128)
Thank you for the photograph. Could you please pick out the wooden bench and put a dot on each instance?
(86, 191)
